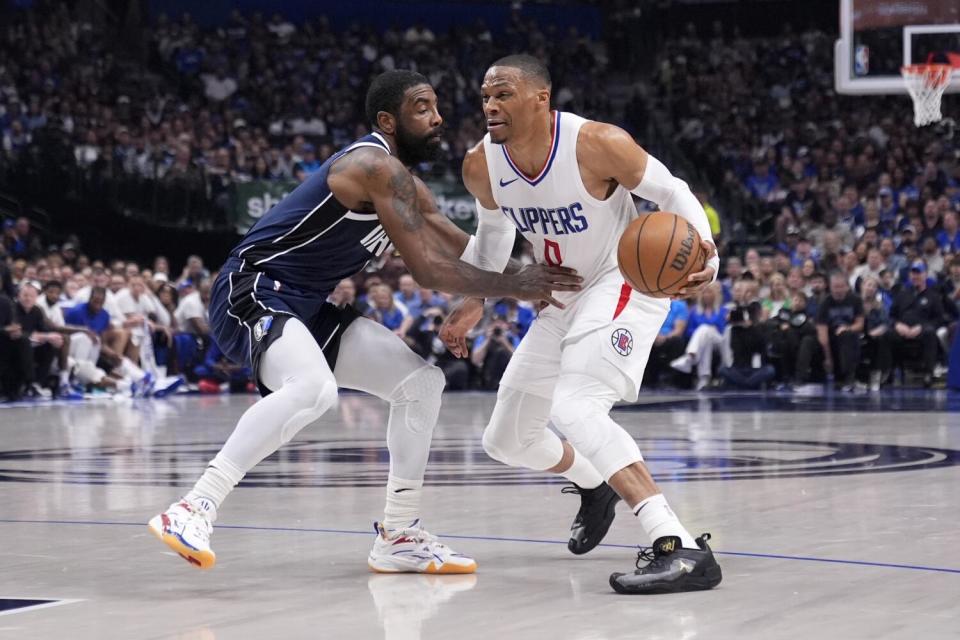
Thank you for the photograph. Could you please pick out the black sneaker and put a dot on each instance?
(671, 568)
(597, 510)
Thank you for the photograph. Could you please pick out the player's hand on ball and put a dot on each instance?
(700, 280)
(456, 326)
(539, 281)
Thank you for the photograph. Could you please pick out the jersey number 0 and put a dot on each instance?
(551, 253)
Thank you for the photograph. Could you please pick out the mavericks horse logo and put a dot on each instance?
(262, 327)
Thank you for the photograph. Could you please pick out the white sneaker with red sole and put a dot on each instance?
(413, 550)
(186, 529)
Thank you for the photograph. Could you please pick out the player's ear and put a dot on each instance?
(387, 122)
(543, 97)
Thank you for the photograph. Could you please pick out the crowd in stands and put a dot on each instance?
(259, 98)
(71, 325)
(856, 329)
(856, 280)
(859, 264)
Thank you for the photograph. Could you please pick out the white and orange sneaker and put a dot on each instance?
(413, 550)
(186, 530)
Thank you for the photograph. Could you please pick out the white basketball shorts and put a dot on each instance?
(606, 332)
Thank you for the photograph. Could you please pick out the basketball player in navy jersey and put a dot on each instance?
(567, 185)
(268, 308)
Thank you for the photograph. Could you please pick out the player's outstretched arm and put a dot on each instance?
(393, 192)
(449, 235)
(456, 239)
(491, 249)
(495, 235)
(611, 153)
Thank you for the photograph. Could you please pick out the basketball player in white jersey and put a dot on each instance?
(566, 184)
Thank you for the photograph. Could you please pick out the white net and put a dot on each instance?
(926, 84)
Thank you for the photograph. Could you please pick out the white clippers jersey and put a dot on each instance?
(565, 224)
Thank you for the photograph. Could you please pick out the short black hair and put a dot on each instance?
(840, 275)
(386, 92)
(528, 65)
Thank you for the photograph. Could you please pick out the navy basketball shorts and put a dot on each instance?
(248, 310)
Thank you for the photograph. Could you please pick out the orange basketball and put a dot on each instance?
(658, 252)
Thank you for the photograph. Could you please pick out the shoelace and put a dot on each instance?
(645, 554)
(650, 555)
(429, 539)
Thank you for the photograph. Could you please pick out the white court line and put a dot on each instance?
(45, 605)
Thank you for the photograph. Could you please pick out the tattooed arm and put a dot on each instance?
(432, 255)
(452, 236)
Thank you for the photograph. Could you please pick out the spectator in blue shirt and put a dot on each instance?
(493, 349)
(708, 311)
(762, 184)
(804, 251)
(310, 165)
(384, 310)
(949, 237)
(188, 60)
(888, 207)
(675, 324)
(516, 314)
(708, 320)
(94, 317)
(90, 314)
(408, 296)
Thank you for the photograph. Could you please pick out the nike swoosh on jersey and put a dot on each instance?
(508, 182)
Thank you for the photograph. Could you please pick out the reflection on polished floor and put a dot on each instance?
(832, 518)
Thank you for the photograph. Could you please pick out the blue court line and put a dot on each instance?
(743, 554)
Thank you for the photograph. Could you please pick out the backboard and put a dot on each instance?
(877, 37)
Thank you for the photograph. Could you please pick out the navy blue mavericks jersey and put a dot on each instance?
(309, 240)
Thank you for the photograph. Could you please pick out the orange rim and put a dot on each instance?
(935, 75)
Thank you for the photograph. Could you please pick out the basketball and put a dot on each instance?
(658, 252)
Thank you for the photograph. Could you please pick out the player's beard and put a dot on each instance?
(499, 138)
(413, 150)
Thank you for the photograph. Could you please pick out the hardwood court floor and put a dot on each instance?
(832, 518)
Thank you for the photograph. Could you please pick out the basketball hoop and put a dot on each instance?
(926, 84)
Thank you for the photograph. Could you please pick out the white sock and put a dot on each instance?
(658, 520)
(218, 480)
(582, 473)
(403, 502)
(64, 377)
